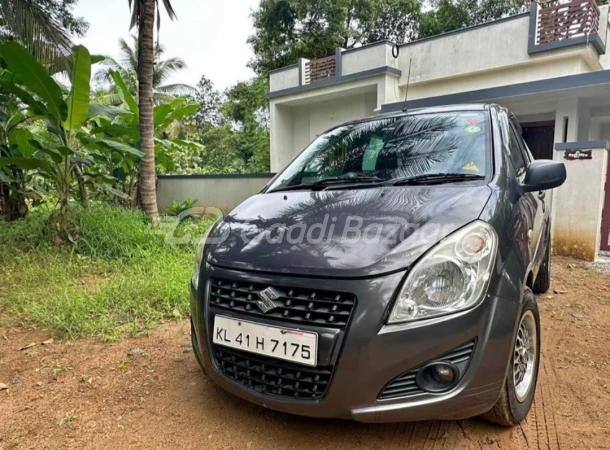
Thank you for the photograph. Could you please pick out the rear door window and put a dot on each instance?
(516, 154)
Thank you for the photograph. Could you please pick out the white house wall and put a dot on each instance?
(284, 79)
(488, 57)
(366, 58)
(485, 48)
(296, 126)
(281, 136)
(326, 115)
(570, 64)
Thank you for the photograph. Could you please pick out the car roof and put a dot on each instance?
(429, 110)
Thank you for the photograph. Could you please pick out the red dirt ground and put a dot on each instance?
(88, 394)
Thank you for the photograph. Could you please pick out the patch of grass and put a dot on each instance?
(120, 277)
(67, 419)
(55, 368)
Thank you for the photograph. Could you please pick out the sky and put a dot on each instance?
(210, 35)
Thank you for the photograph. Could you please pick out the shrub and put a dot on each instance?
(120, 276)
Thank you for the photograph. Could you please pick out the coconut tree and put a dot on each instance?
(143, 16)
(44, 27)
(127, 66)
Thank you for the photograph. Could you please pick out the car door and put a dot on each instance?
(532, 204)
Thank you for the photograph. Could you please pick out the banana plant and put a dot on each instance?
(64, 155)
(125, 128)
(12, 180)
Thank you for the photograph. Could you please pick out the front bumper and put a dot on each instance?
(369, 354)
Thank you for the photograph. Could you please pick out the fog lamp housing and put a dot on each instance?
(438, 376)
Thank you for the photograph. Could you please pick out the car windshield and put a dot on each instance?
(394, 148)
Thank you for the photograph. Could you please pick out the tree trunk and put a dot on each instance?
(145, 99)
(12, 201)
(82, 188)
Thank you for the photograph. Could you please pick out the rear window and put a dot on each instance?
(395, 148)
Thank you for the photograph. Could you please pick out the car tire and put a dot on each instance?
(516, 398)
(543, 280)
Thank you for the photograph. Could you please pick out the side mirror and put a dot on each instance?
(543, 174)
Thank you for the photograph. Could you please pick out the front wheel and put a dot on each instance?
(520, 385)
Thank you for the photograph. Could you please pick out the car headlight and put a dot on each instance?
(200, 253)
(451, 277)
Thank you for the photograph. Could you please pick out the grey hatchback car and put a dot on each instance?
(387, 274)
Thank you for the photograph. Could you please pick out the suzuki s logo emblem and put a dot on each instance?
(266, 297)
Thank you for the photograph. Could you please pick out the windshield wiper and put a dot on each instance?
(431, 178)
(329, 181)
(436, 178)
(365, 182)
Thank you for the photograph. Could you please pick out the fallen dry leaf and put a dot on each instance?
(3, 387)
(25, 347)
(557, 291)
(48, 342)
(124, 365)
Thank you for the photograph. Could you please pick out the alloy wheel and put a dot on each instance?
(524, 359)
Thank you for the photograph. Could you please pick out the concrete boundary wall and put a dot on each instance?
(578, 204)
(220, 191)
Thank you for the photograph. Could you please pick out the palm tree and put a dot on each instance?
(31, 24)
(143, 15)
(127, 66)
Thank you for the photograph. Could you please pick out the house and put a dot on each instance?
(549, 66)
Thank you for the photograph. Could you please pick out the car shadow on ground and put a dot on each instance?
(293, 431)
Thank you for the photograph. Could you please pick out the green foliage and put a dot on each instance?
(232, 130)
(247, 104)
(67, 147)
(286, 30)
(92, 147)
(209, 101)
(247, 108)
(120, 278)
(78, 101)
(122, 133)
(124, 92)
(178, 208)
(42, 26)
(62, 11)
(450, 15)
(36, 79)
(447, 16)
(112, 232)
(127, 67)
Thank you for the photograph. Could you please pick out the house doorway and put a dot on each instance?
(540, 138)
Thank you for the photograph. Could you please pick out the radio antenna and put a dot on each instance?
(405, 109)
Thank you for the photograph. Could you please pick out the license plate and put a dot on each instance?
(282, 343)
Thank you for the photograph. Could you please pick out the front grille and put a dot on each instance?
(406, 385)
(271, 376)
(298, 305)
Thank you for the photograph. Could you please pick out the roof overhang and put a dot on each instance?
(336, 80)
(594, 84)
